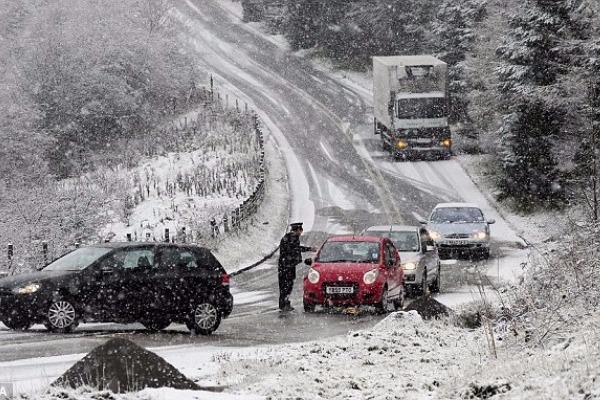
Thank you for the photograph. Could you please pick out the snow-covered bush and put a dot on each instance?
(560, 289)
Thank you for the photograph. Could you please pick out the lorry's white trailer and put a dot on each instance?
(410, 105)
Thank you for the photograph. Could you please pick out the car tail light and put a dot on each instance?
(225, 279)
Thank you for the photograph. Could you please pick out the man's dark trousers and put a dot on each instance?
(286, 283)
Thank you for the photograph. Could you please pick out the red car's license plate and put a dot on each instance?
(340, 289)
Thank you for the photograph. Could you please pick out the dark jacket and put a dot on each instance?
(290, 251)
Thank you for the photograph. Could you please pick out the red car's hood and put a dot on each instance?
(348, 271)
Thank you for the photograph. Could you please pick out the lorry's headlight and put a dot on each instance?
(409, 266)
(435, 235)
(480, 235)
(401, 144)
(27, 289)
(371, 276)
(313, 276)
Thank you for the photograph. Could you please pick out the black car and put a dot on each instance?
(151, 283)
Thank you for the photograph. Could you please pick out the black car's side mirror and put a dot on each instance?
(308, 261)
(491, 221)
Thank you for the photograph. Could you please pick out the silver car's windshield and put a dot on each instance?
(453, 215)
(77, 259)
(403, 240)
(335, 252)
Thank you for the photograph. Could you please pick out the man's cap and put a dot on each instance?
(296, 226)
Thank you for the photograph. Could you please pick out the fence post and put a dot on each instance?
(225, 223)
(45, 251)
(129, 237)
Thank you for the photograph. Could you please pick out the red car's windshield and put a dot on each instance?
(358, 252)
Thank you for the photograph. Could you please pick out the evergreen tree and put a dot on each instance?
(336, 36)
(302, 23)
(535, 54)
(390, 27)
(528, 172)
(455, 35)
(587, 157)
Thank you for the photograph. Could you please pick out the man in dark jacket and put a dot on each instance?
(290, 255)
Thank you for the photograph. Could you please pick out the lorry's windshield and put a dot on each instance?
(415, 108)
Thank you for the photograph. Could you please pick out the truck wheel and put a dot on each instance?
(384, 145)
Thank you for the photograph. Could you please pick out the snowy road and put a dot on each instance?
(340, 181)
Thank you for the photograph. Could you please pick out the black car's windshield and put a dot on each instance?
(334, 252)
(77, 259)
(457, 214)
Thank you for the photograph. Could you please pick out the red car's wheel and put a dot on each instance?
(309, 307)
(385, 305)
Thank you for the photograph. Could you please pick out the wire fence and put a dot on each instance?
(207, 233)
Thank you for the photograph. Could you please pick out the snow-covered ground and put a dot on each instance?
(403, 357)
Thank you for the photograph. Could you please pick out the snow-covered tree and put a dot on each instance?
(455, 35)
(527, 170)
(302, 23)
(535, 53)
(587, 157)
(390, 27)
(534, 56)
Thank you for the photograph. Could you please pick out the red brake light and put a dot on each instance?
(225, 279)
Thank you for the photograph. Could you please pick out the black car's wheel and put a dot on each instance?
(309, 307)
(61, 316)
(435, 285)
(204, 319)
(17, 324)
(485, 254)
(156, 324)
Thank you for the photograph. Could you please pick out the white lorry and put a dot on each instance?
(410, 106)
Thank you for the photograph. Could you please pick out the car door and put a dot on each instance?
(429, 258)
(392, 268)
(170, 283)
(122, 283)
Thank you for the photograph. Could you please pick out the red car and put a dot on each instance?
(354, 271)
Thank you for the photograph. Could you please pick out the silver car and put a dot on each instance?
(418, 255)
(459, 229)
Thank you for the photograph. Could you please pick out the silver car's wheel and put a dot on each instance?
(61, 316)
(204, 319)
(435, 285)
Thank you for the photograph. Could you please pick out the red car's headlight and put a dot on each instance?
(313, 276)
(371, 276)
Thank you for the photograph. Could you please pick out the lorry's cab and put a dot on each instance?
(411, 105)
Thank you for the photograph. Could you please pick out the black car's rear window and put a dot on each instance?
(77, 259)
(207, 260)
